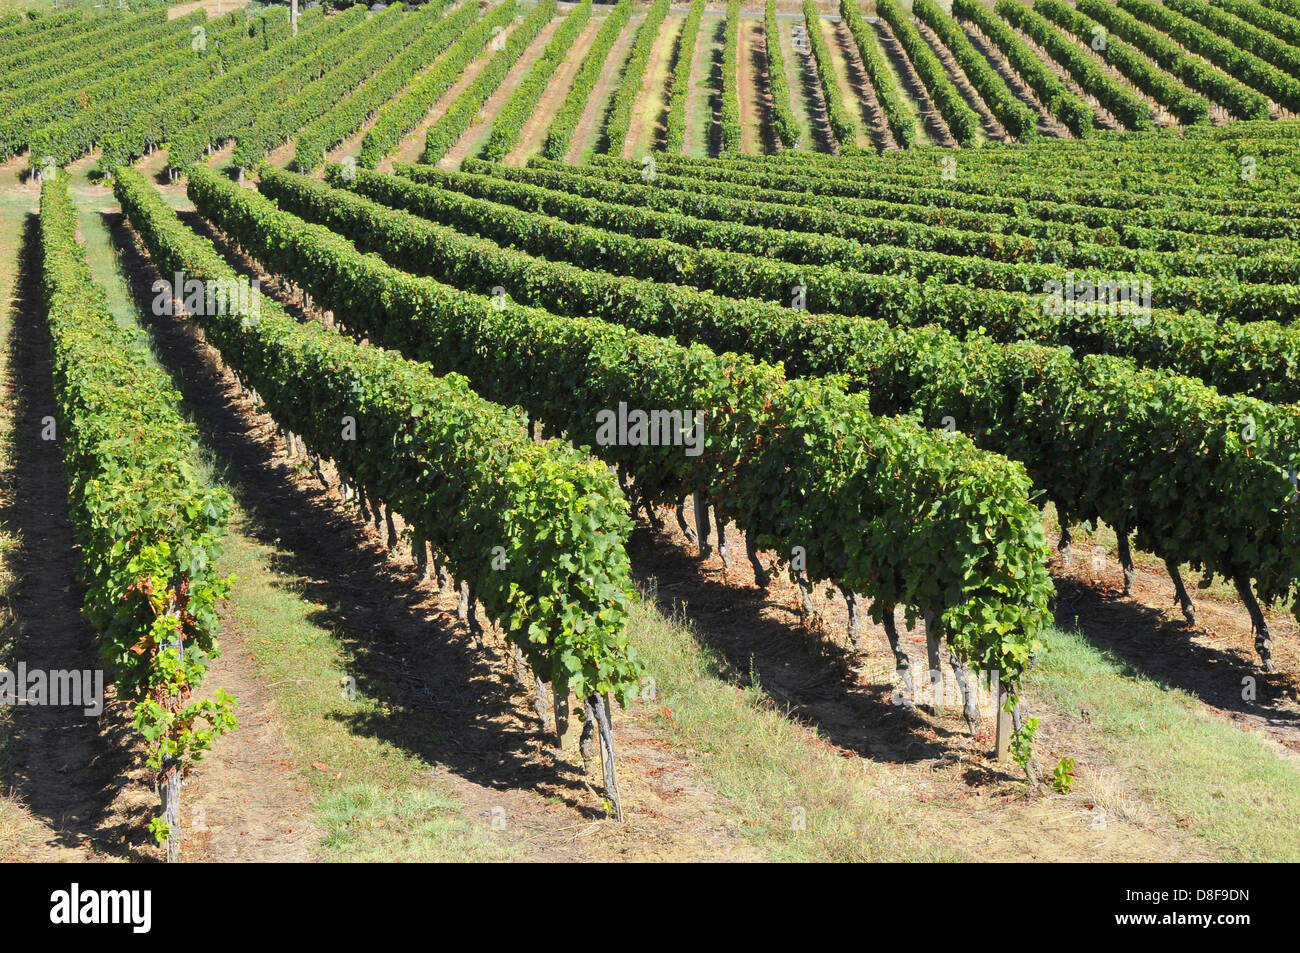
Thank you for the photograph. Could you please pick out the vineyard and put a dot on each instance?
(535, 430)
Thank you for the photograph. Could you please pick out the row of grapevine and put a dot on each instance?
(453, 123)
(1169, 230)
(976, 234)
(220, 110)
(149, 529)
(794, 234)
(1290, 7)
(619, 120)
(345, 119)
(1017, 118)
(1232, 94)
(1185, 106)
(675, 127)
(1219, 18)
(30, 109)
(761, 430)
(509, 120)
(1082, 427)
(563, 589)
(963, 122)
(396, 119)
(898, 115)
(1154, 181)
(228, 42)
(1258, 358)
(1281, 25)
(729, 117)
(560, 132)
(784, 124)
(388, 33)
(158, 114)
(1234, 60)
(24, 31)
(1055, 96)
(843, 128)
(58, 53)
(1128, 108)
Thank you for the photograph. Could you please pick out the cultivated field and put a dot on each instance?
(523, 430)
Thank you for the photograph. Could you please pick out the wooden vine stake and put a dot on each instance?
(171, 771)
(597, 707)
(1005, 727)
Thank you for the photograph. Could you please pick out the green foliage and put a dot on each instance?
(1063, 776)
(556, 144)
(729, 119)
(509, 120)
(898, 115)
(388, 33)
(460, 470)
(1223, 53)
(402, 114)
(1186, 107)
(1041, 406)
(451, 125)
(1022, 743)
(963, 122)
(843, 128)
(619, 120)
(1131, 110)
(859, 522)
(1251, 27)
(783, 121)
(1017, 118)
(25, 112)
(149, 529)
(675, 128)
(349, 115)
(222, 108)
(1232, 94)
(1051, 92)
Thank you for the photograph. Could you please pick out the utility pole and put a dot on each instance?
(293, 16)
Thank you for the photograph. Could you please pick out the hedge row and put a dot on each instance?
(1083, 427)
(462, 112)
(1051, 92)
(794, 463)
(148, 527)
(461, 471)
(509, 121)
(401, 115)
(333, 128)
(556, 145)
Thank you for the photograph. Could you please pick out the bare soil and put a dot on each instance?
(590, 131)
(935, 127)
(557, 91)
(473, 137)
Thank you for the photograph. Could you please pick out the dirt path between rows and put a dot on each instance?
(988, 122)
(73, 777)
(411, 148)
(474, 137)
(698, 104)
(860, 89)
(1048, 124)
(590, 131)
(818, 116)
(557, 91)
(931, 119)
(405, 635)
(756, 133)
